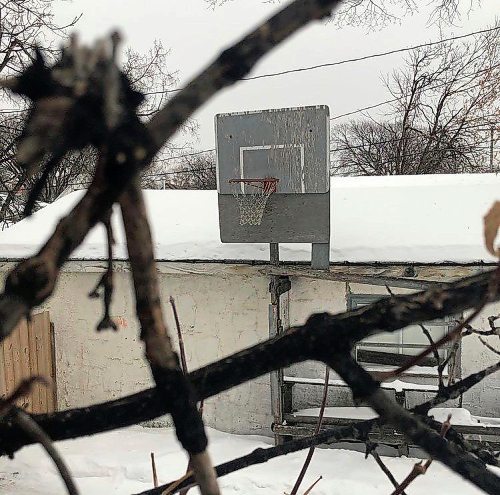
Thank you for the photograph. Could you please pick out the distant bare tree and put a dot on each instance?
(444, 105)
(190, 171)
(25, 25)
(378, 13)
(148, 73)
(193, 172)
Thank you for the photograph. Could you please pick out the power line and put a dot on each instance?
(366, 57)
(392, 100)
(346, 61)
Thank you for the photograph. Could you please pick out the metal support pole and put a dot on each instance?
(320, 256)
(278, 285)
(274, 253)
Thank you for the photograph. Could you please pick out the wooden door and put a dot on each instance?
(29, 351)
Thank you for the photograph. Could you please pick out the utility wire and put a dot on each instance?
(346, 61)
(392, 100)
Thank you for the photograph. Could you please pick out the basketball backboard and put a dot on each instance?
(288, 145)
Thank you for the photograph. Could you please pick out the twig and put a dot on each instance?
(313, 485)
(182, 350)
(106, 280)
(456, 389)
(490, 347)
(419, 468)
(433, 347)
(31, 428)
(185, 370)
(172, 487)
(310, 453)
(153, 467)
(435, 352)
(385, 469)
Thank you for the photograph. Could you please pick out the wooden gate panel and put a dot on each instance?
(29, 351)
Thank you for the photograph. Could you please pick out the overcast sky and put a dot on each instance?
(195, 34)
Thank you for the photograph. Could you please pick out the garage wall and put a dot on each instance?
(222, 310)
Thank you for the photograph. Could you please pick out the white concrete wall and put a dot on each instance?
(219, 315)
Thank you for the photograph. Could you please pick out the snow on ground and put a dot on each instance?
(119, 462)
(420, 218)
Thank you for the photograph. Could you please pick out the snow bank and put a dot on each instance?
(431, 218)
(396, 385)
(119, 462)
(461, 416)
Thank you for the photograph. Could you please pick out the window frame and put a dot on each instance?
(358, 300)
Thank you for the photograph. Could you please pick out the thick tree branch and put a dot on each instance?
(365, 388)
(171, 381)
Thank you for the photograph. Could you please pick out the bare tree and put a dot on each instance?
(193, 172)
(378, 13)
(443, 106)
(126, 146)
(28, 25)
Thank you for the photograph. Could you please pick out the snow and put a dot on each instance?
(357, 413)
(431, 218)
(396, 385)
(119, 462)
(461, 416)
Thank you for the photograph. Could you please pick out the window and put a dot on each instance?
(387, 350)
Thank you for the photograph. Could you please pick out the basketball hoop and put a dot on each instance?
(253, 204)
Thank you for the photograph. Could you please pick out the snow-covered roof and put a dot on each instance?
(418, 219)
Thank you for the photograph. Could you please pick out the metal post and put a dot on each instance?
(320, 256)
(274, 253)
(277, 286)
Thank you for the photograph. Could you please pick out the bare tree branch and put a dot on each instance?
(365, 388)
(383, 467)
(170, 380)
(310, 453)
(31, 428)
(419, 468)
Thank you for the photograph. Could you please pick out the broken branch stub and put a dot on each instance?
(491, 225)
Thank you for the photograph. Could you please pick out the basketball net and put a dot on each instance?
(253, 204)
